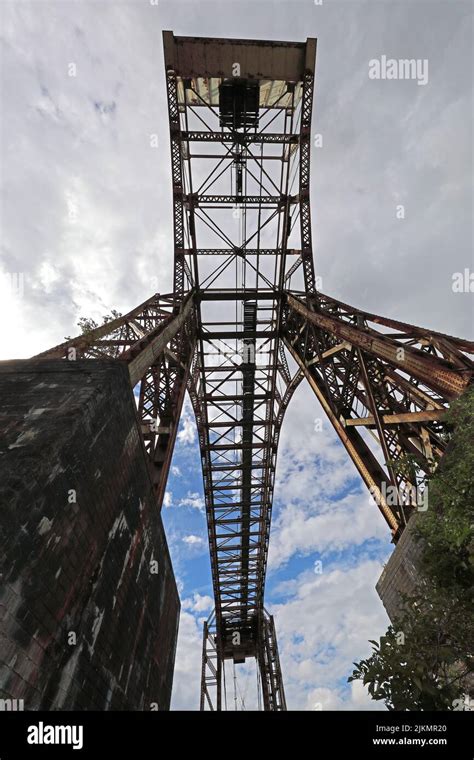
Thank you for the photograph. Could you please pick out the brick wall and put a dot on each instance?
(88, 602)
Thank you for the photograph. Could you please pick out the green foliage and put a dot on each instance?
(446, 528)
(87, 324)
(421, 661)
(431, 665)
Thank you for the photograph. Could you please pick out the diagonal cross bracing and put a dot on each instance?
(252, 187)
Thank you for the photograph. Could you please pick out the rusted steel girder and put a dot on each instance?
(146, 351)
(273, 691)
(365, 461)
(254, 100)
(122, 332)
(156, 341)
(211, 668)
(359, 376)
(437, 372)
(267, 658)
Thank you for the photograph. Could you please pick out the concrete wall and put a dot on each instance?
(400, 574)
(80, 569)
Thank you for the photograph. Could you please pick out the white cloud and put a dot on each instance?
(192, 540)
(12, 300)
(79, 219)
(194, 500)
(321, 503)
(198, 603)
(168, 499)
(322, 629)
(356, 698)
(187, 673)
(311, 460)
(188, 431)
(324, 526)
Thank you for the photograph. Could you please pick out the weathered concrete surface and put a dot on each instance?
(80, 536)
(400, 575)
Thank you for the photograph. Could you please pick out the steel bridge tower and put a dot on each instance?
(246, 323)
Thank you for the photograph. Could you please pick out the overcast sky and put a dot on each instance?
(86, 226)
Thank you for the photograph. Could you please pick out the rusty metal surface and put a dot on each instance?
(433, 368)
(239, 404)
(396, 383)
(155, 341)
(258, 59)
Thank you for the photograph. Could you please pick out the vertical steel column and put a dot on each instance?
(304, 189)
(269, 664)
(211, 668)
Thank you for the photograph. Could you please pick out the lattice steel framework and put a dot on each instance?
(244, 310)
(390, 378)
(239, 184)
(157, 341)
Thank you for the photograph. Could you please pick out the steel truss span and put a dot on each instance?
(242, 228)
(245, 324)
